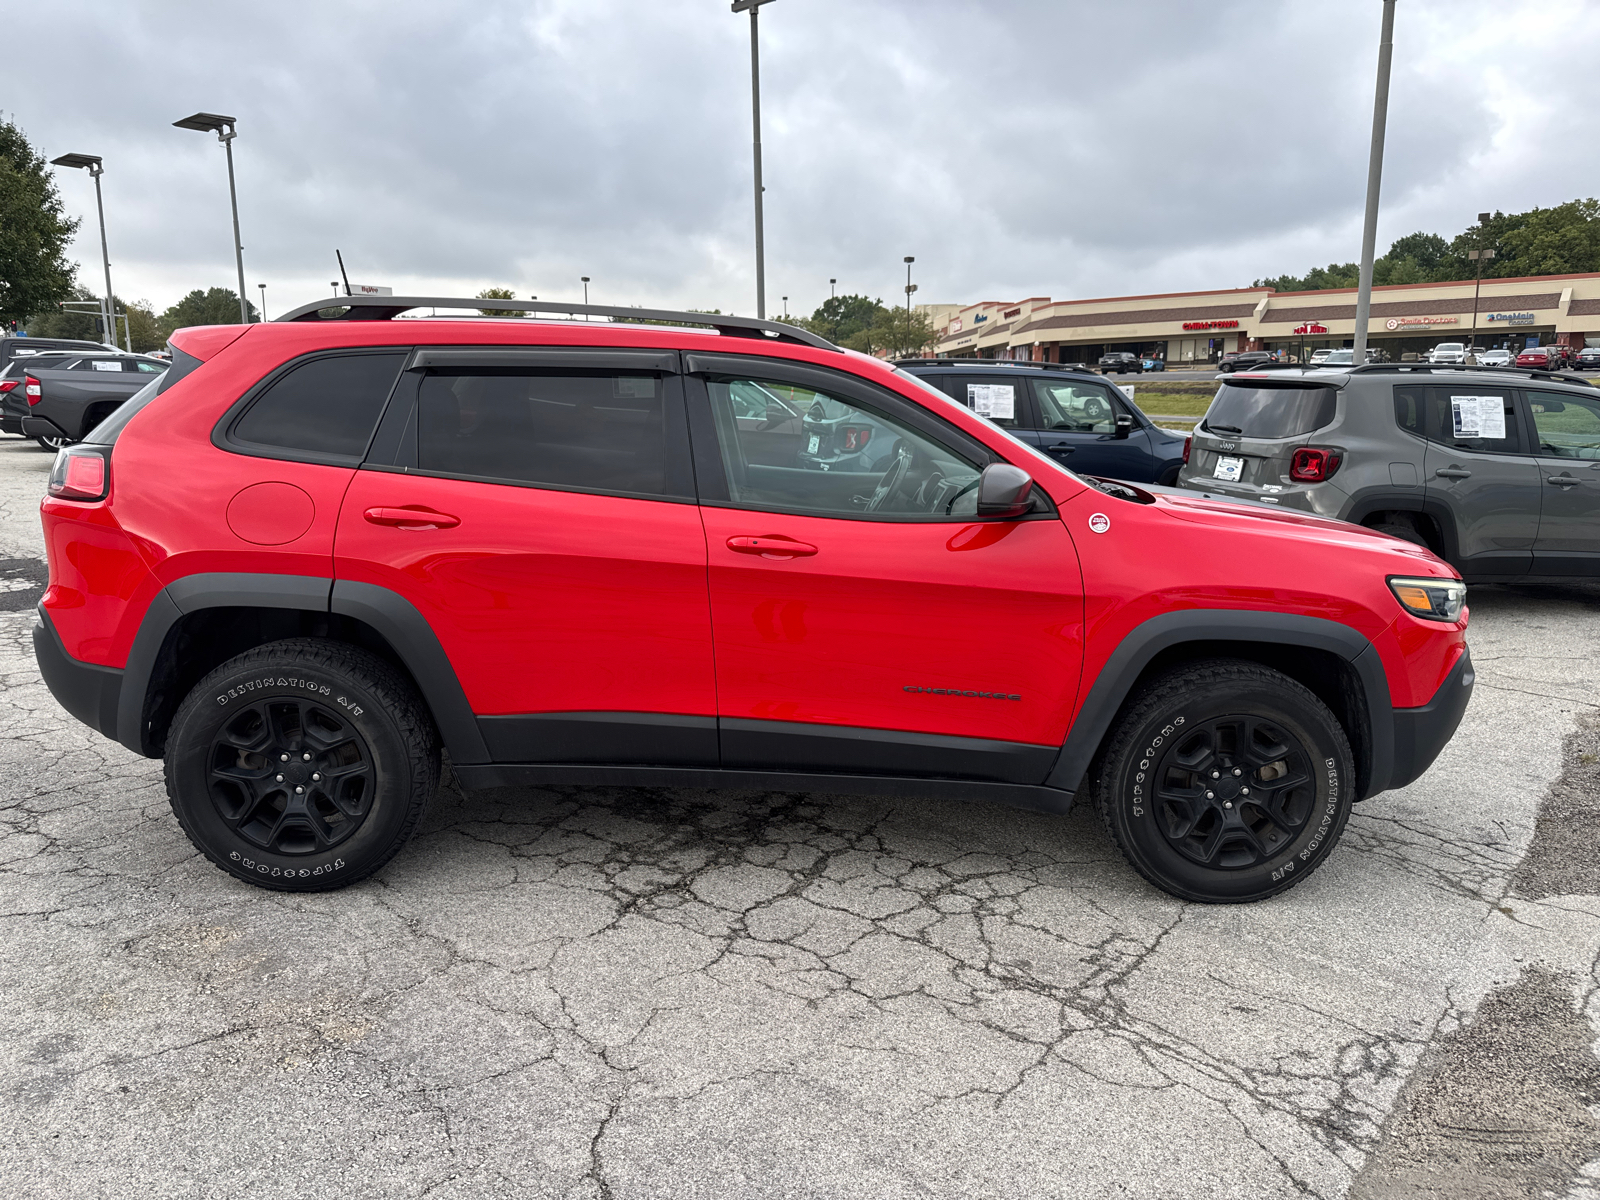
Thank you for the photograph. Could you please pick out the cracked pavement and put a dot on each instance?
(610, 992)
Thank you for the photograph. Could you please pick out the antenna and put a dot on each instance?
(342, 274)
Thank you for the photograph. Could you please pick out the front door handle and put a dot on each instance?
(1562, 481)
(411, 518)
(1061, 448)
(1453, 473)
(771, 546)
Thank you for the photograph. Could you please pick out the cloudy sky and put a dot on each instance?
(1016, 147)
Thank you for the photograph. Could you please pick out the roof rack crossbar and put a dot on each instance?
(385, 308)
(966, 364)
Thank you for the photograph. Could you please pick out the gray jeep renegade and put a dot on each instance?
(1496, 470)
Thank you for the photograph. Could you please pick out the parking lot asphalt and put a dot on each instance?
(606, 992)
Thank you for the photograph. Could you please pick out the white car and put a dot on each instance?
(1318, 357)
(1495, 358)
(1449, 352)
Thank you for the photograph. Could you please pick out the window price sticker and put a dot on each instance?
(1479, 416)
(997, 401)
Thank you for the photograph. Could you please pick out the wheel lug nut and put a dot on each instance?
(283, 758)
(299, 790)
(1227, 804)
(307, 758)
(1211, 795)
(1237, 771)
(315, 778)
(1244, 791)
(1216, 774)
(280, 778)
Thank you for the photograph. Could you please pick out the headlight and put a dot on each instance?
(1431, 599)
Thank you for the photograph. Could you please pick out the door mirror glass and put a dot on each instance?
(1004, 491)
(1124, 425)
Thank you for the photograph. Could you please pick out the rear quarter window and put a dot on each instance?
(1271, 412)
(323, 409)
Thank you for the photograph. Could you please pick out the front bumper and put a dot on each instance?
(1421, 733)
(87, 691)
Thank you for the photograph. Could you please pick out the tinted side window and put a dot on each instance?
(1002, 399)
(592, 430)
(1568, 424)
(1473, 417)
(1075, 407)
(326, 406)
(1410, 403)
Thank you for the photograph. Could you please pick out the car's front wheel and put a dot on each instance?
(1225, 782)
(302, 765)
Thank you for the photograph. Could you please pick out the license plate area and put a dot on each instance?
(1228, 468)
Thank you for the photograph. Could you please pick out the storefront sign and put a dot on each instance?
(1513, 318)
(1009, 313)
(1412, 322)
(1211, 324)
(1311, 327)
(955, 324)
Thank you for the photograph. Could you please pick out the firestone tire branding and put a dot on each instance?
(249, 864)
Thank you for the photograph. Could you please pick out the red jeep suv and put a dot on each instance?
(318, 551)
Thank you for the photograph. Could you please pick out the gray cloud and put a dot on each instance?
(1024, 148)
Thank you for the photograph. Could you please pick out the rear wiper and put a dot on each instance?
(1226, 428)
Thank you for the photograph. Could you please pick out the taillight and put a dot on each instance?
(856, 438)
(1188, 444)
(32, 390)
(81, 473)
(1314, 464)
(7, 385)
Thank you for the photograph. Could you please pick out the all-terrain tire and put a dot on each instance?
(1269, 816)
(302, 765)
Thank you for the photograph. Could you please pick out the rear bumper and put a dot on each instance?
(10, 423)
(1420, 733)
(89, 692)
(42, 427)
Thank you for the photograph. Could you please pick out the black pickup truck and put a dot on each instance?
(57, 398)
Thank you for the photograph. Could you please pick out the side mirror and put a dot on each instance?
(1004, 491)
(1124, 425)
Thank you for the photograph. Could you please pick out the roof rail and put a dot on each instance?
(385, 308)
(1429, 368)
(966, 364)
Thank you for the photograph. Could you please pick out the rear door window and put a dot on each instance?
(584, 430)
(1465, 416)
(1271, 413)
(323, 409)
(1003, 401)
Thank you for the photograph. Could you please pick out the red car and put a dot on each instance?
(1551, 358)
(317, 551)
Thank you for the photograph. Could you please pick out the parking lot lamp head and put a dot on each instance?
(92, 163)
(226, 130)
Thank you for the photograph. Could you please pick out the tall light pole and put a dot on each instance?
(1369, 227)
(910, 287)
(585, 279)
(1478, 256)
(107, 309)
(263, 313)
(786, 308)
(226, 131)
(753, 7)
(831, 289)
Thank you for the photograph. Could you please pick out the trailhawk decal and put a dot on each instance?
(927, 691)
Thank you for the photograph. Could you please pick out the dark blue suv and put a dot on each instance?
(1072, 415)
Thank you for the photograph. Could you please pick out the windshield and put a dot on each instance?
(1270, 412)
(1451, 346)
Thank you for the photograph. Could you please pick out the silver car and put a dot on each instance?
(1497, 472)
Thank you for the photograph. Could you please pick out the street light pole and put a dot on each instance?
(831, 288)
(910, 287)
(1478, 256)
(226, 130)
(1369, 226)
(263, 288)
(108, 308)
(753, 8)
(585, 279)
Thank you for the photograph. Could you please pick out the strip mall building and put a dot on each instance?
(1198, 327)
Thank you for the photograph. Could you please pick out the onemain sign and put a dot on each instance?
(1523, 318)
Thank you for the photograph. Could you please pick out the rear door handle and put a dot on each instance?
(1562, 481)
(411, 518)
(1453, 473)
(771, 546)
(1061, 447)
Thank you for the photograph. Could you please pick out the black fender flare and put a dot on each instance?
(1141, 645)
(393, 617)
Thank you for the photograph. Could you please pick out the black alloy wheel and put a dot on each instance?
(1225, 781)
(291, 776)
(1233, 791)
(301, 765)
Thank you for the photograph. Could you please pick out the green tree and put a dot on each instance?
(34, 273)
(894, 333)
(214, 306)
(841, 318)
(498, 293)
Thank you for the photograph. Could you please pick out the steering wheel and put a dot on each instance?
(893, 477)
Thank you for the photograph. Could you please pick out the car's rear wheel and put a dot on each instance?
(53, 443)
(302, 765)
(1225, 782)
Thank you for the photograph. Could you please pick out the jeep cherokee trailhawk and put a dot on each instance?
(318, 551)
